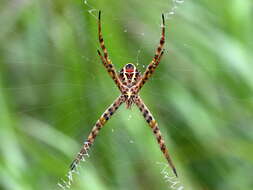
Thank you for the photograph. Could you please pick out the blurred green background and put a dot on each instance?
(53, 88)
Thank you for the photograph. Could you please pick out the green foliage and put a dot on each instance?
(53, 88)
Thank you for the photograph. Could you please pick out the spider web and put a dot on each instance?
(27, 112)
(169, 180)
(123, 132)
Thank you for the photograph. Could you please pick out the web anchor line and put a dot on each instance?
(172, 11)
(65, 184)
(172, 181)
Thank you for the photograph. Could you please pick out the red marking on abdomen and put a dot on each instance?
(129, 70)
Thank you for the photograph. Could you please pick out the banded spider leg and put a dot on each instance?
(129, 81)
(105, 58)
(94, 132)
(156, 59)
(154, 126)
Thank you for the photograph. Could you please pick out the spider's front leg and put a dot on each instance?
(94, 132)
(105, 58)
(154, 126)
(155, 61)
(112, 72)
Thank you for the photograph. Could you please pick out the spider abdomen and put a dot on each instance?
(129, 75)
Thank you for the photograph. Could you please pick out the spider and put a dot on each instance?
(129, 81)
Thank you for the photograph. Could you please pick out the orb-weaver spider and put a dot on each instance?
(129, 81)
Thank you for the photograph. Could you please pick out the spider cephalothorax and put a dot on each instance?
(129, 76)
(129, 81)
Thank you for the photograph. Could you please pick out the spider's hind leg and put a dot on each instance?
(156, 59)
(105, 57)
(154, 126)
(95, 130)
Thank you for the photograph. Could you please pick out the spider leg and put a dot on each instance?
(105, 58)
(101, 40)
(110, 69)
(94, 132)
(154, 126)
(156, 59)
(147, 74)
